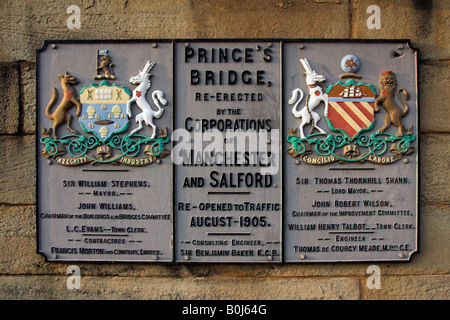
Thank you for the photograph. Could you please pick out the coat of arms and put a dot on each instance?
(350, 109)
(103, 112)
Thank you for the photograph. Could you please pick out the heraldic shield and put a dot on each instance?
(351, 107)
(103, 109)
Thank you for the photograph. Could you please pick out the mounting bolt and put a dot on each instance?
(54, 46)
(158, 161)
(186, 258)
(155, 257)
(302, 257)
(405, 160)
(297, 162)
(49, 162)
(269, 258)
(401, 255)
(301, 46)
(154, 45)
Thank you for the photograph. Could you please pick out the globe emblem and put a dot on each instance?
(350, 63)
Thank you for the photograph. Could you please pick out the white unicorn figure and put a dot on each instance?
(315, 96)
(147, 115)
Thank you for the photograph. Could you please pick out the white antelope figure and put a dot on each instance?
(315, 96)
(147, 115)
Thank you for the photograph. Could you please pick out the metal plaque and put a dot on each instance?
(226, 151)
(104, 179)
(351, 162)
(246, 151)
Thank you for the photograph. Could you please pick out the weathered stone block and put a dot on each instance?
(425, 23)
(434, 81)
(434, 164)
(28, 81)
(108, 288)
(9, 98)
(434, 242)
(17, 222)
(419, 287)
(18, 169)
(17, 239)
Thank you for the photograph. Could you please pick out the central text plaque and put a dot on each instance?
(227, 178)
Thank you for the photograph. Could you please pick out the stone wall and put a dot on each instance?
(25, 25)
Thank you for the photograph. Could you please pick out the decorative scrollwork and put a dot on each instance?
(127, 147)
(325, 147)
(77, 144)
(298, 145)
(130, 147)
(374, 147)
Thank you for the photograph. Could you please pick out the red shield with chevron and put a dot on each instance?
(351, 107)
